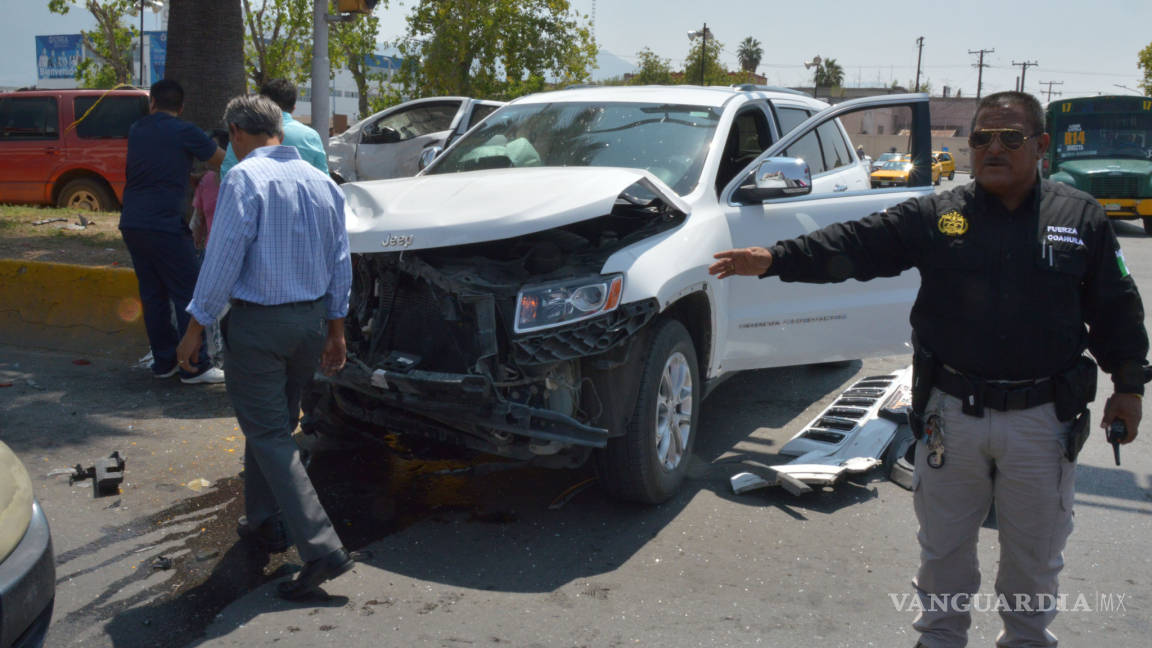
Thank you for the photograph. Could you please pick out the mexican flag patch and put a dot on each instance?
(1120, 263)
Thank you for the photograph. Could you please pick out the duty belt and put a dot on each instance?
(976, 393)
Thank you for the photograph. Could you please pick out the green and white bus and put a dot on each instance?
(1103, 145)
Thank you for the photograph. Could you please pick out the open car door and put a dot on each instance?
(773, 323)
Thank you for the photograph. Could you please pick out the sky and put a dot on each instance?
(1088, 46)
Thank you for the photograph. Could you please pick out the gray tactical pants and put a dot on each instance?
(1016, 459)
(271, 353)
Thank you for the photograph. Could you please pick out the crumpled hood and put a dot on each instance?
(431, 211)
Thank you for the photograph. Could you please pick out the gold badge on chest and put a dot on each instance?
(952, 223)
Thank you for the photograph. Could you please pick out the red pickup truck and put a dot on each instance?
(66, 147)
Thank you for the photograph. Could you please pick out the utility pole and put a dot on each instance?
(1024, 65)
(919, 54)
(1049, 91)
(980, 67)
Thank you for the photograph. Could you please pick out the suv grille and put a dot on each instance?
(1113, 186)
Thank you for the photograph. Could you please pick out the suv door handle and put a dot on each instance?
(840, 187)
(51, 150)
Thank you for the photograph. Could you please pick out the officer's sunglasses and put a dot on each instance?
(1010, 138)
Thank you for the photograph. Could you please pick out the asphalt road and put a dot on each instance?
(478, 558)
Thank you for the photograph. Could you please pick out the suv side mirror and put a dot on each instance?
(428, 154)
(776, 177)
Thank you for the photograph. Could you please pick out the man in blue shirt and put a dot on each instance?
(304, 138)
(159, 163)
(279, 253)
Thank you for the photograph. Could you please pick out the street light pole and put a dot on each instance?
(320, 70)
(703, 34)
(703, 51)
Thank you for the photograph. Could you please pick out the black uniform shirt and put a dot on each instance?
(1003, 295)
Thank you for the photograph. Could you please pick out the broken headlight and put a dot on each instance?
(548, 305)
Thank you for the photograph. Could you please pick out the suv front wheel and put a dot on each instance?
(649, 462)
(85, 193)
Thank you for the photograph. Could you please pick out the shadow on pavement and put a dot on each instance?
(56, 400)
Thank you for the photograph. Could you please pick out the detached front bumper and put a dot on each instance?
(1127, 207)
(466, 400)
(28, 586)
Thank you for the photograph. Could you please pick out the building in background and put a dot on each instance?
(880, 130)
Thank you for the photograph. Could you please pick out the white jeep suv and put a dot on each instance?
(541, 290)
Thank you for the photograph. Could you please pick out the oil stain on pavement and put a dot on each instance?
(190, 564)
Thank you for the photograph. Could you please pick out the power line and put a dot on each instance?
(1024, 65)
(1049, 91)
(980, 66)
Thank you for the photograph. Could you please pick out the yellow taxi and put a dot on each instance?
(947, 163)
(895, 172)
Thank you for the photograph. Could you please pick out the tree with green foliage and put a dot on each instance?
(749, 54)
(277, 40)
(349, 43)
(925, 85)
(706, 56)
(653, 70)
(1144, 62)
(495, 49)
(110, 43)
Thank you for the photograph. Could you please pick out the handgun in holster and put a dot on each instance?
(1072, 390)
(924, 368)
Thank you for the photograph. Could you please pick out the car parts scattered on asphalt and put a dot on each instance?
(106, 474)
(851, 436)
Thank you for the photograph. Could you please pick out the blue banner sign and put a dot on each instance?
(158, 52)
(382, 62)
(58, 56)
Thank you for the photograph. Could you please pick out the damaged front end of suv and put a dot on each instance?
(489, 323)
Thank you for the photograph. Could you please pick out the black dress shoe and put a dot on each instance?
(270, 536)
(308, 581)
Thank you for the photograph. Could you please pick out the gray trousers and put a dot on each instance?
(1016, 459)
(271, 353)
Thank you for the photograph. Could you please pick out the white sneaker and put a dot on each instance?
(211, 376)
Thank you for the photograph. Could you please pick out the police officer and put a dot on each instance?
(1012, 269)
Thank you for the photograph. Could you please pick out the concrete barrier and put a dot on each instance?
(82, 309)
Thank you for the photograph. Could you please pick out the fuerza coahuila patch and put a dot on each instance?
(1120, 263)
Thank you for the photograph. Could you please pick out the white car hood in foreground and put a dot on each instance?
(460, 208)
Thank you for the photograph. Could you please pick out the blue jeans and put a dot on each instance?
(166, 270)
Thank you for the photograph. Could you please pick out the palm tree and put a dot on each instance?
(749, 54)
(206, 56)
(828, 74)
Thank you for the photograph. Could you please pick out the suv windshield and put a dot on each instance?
(1118, 136)
(670, 141)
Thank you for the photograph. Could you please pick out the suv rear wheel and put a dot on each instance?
(85, 193)
(649, 462)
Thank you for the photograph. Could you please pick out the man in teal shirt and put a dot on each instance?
(302, 137)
